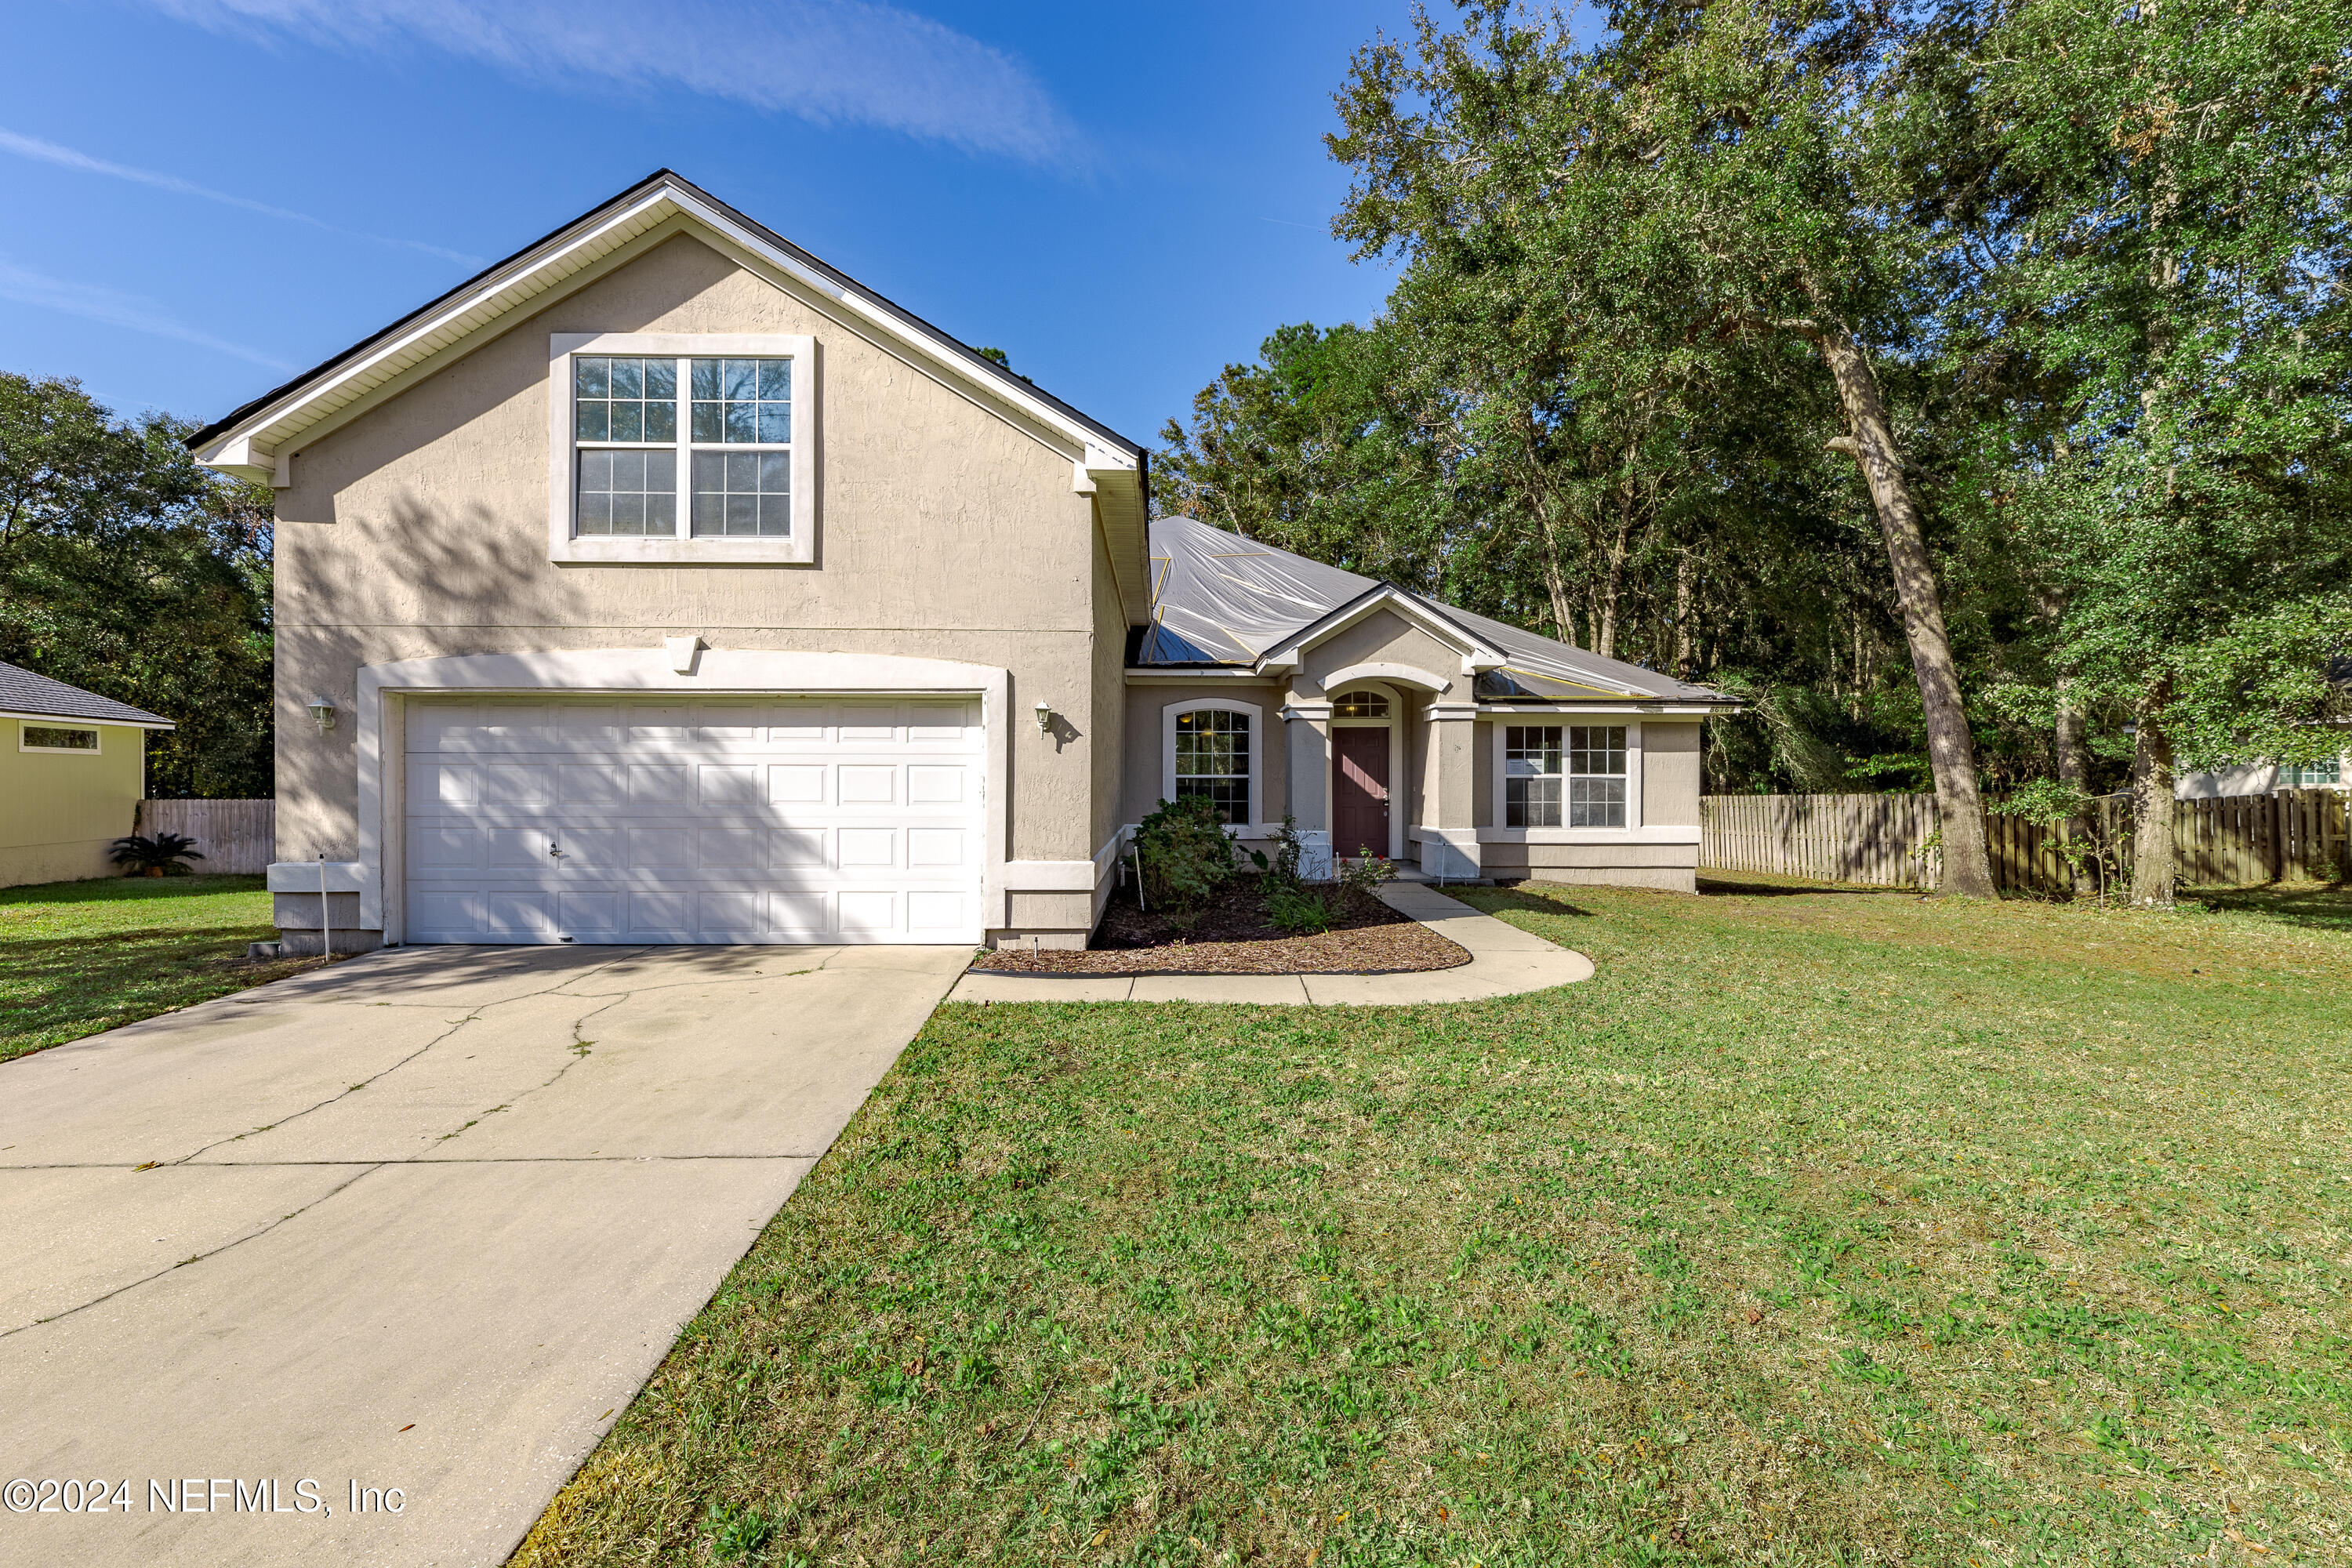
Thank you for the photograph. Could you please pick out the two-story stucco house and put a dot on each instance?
(664, 585)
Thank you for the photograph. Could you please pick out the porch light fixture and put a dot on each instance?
(1045, 716)
(324, 712)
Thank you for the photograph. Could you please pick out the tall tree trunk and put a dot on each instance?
(2070, 741)
(1683, 613)
(1968, 869)
(1611, 589)
(2152, 846)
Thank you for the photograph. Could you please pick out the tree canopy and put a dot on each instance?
(1965, 384)
(128, 570)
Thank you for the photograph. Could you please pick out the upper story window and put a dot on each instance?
(672, 454)
(1564, 775)
(56, 738)
(737, 446)
(1212, 758)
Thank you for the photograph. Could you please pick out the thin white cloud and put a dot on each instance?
(93, 303)
(828, 61)
(33, 147)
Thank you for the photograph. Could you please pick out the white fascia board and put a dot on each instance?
(1136, 677)
(71, 719)
(1632, 708)
(477, 310)
(1385, 598)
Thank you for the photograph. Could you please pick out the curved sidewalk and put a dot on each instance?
(1504, 962)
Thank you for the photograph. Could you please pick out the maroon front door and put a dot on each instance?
(1359, 796)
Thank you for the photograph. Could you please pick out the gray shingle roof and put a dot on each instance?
(22, 691)
(1221, 600)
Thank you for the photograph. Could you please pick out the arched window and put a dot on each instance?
(1360, 705)
(1212, 749)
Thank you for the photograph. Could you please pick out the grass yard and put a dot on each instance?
(1820, 1226)
(79, 957)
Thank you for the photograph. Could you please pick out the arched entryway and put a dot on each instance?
(1367, 771)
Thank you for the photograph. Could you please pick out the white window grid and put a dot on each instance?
(1565, 775)
(1213, 759)
(774, 494)
(714, 431)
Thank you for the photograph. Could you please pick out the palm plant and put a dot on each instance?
(160, 856)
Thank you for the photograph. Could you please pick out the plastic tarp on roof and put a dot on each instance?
(1220, 599)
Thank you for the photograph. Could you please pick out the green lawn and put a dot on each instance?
(1822, 1226)
(78, 957)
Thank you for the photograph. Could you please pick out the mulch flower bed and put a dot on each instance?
(1231, 936)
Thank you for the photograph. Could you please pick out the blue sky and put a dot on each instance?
(212, 194)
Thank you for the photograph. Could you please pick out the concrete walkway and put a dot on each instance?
(423, 1220)
(1504, 962)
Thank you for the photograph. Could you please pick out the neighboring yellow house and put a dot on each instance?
(73, 769)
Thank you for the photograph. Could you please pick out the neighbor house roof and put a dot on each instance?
(1220, 601)
(24, 695)
(256, 440)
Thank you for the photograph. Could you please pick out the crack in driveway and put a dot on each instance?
(474, 1016)
(199, 1257)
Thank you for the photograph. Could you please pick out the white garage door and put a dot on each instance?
(775, 820)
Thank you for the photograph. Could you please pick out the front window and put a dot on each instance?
(734, 443)
(2312, 776)
(1564, 775)
(1596, 776)
(1360, 705)
(1212, 746)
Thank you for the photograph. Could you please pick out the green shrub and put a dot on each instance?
(1295, 910)
(141, 856)
(1187, 857)
(1361, 877)
(1289, 847)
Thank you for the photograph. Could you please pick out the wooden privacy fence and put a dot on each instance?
(2302, 834)
(233, 836)
(1829, 838)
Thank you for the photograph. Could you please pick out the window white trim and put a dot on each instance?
(1631, 833)
(25, 726)
(564, 548)
(1248, 829)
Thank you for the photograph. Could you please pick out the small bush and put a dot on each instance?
(1289, 848)
(1361, 877)
(1187, 857)
(141, 856)
(1295, 910)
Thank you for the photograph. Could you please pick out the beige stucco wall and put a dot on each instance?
(59, 810)
(1669, 867)
(1386, 638)
(945, 529)
(1670, 791)
(1146, 705)
(1670, 774)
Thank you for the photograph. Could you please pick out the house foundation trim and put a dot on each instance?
(624, 672)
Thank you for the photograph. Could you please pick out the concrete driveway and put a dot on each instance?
(424, 1220)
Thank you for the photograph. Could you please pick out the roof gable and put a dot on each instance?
(256, 440)
(1218, 600)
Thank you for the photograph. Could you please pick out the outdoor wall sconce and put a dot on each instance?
(1045, 716)
(324, 712)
